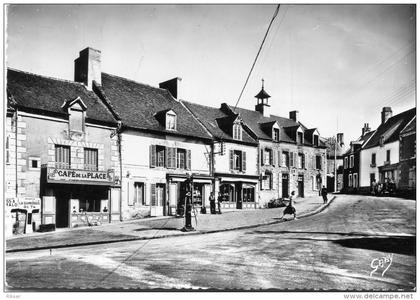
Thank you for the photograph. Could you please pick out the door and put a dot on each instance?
(239, 196)
(160, 199)
(300, 186)
(285, 186)
(62, 199)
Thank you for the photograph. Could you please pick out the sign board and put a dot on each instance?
(28, 203)
(57, 175)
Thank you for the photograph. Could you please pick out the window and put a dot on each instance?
(350, 180)
(160, 154)
(381, 141)
(237, 160)
(345, 162)
(91, 159)
(285, 159)
(351, 161)
(301, 161)
(388, 155)
(62, 157)
(355, 183)
(76, 120)
(7, 150)
(139, 193)
(237, 132)
(90, 205)
(300, 138)
(276, 134)
(170, 121)
(34, 163)
(318, 162)
(181, 158)
(267, 181)
(268, 157)
(316, 140)
(373, 160)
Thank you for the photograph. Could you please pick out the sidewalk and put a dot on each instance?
(151, 228)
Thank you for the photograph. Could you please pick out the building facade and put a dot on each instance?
(234, 159)
(407, 165)
(66, 166)
(291, 157)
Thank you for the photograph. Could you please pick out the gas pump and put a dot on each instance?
(188, 204)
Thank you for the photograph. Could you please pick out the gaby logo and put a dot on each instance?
(382, 263)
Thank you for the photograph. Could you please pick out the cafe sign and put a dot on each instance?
(57, 175)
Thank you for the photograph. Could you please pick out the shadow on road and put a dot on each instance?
(401, 245)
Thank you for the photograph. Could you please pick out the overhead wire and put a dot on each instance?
(256, 57)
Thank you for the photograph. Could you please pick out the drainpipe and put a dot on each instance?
(16, 156)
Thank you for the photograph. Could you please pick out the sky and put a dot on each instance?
(338, 65)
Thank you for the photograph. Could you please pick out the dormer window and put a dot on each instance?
(381, 141)
(300, 138)
(316, 140)
(170, 121)
(276, 134)
(237, 132)
(77, 113)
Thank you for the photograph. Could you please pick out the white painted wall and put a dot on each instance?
(366, 158)
(222, 161)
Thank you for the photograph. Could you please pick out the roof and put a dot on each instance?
(210, 117)
(253, 120)
(137, 105)
(391, 129)
(43, 94)
(362, 139)
(262, 94)
(410, 128)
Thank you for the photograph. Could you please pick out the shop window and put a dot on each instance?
(91, 159)
(198, 194)
(237, 132)
(248, 194)
(90, 205)
(62, 157)
(181, 158)
(228, 192)
(318, 162)
(139, 193)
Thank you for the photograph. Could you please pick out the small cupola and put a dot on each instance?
(262, 101)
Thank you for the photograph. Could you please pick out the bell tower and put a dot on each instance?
(262, 101)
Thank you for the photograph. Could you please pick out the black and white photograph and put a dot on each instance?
(203, 147)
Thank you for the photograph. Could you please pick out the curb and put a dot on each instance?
(318, 210)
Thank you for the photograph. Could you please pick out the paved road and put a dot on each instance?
(332, 250)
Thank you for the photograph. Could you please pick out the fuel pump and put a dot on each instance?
(188, 204)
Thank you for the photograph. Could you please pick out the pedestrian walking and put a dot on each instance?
(219, 203)
(324, 194)
(212, 204)
(290, 210)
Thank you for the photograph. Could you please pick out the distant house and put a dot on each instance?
(291, 157)
(377, 155)
(335, 151)
(235, 155)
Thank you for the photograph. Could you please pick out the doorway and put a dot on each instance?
(301, 189)
(285, 185)
(62, 198)
(238, 195)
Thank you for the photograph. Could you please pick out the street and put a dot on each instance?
(337, 249)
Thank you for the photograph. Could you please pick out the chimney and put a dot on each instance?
(87, 67)
(294, 115)
(340, 138)
(365, 129)
(386, 114)
(172, 86)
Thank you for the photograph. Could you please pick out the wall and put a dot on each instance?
(222, 163)
(10, 166)
(366, 157)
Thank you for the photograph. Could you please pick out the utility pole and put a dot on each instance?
(335, 164)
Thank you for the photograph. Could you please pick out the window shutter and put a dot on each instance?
(243, 161)
(131, 189)
(274, 157)
(168, 152)
(271, 156)
(279, 159)
(271, 181)
(153, 194)
(305, 161)
(188, 159)
(231, 160)
(295, 159)
(320, 160)
(292, 161)
(152, 153)
(262, 157)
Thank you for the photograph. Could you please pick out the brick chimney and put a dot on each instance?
(87, 67)
(340, 139)
(386, 114)
(365, 129)
(172, 86)
(294, 115)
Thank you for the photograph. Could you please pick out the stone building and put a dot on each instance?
(60, 158)
(407, 165)
(291, 157)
